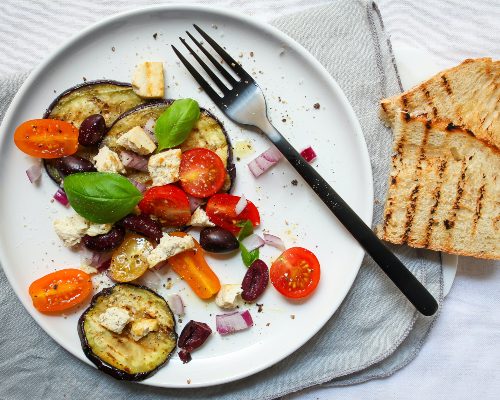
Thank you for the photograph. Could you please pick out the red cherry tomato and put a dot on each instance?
(46, 138)
(201, 173)
(60, 290)
(295, 273)
(221, 211)
(169, 203)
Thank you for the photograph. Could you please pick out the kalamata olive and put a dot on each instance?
(193, 335)
(218, 240)
(185, 356)
(255, 281)
(108, 241)
(72, 164)
(92, 130)
(144, 225)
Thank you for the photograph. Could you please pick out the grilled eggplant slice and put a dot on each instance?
(208, 133)
(119, 355)
(105, 97)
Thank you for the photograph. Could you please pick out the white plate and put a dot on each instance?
(292, 81)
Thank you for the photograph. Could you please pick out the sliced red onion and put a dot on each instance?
(233, 322)
(34, 172)
(240, 205)
(140, 186)
(264, 161)
(195, 202)
(176, 304)
(253, 242)
(135, 161)
(149, 128)
(308, 154)
(274, 241)
(60, 196)
(100, 260)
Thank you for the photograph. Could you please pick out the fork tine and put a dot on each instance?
(201, 81)
(207, 69)
(231, 62)
(216, 64)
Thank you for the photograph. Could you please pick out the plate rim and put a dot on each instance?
(365, 161)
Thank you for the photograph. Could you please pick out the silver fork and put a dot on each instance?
(244, 103)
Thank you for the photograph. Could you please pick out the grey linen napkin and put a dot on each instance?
(375, 331)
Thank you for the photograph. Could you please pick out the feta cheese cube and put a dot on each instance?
(137, 140)
(108, 161)
(71, 229)
(142, 327)
(164, 167)
(98, 229)
(148, 81)
(228, 296)
(200, 218)
(169, 246)
(88, 269)
(114, 319)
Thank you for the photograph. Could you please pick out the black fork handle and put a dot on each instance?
(407, 283)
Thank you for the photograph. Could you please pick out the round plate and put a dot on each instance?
(293, 82)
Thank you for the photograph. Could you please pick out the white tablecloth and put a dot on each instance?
(461, 358)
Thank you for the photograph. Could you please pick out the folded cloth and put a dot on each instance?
(374, 332)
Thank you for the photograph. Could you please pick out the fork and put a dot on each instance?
(244, 103)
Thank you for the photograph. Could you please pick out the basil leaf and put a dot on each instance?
(101, 197)
(248, 257)
(174, 124)
(246, 229)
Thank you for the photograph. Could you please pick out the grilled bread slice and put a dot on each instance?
(467, 95)
(444, 189)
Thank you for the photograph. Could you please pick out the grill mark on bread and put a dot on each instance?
(479, 206)
(436, 194)
(412, 206)
(449, 223)
(446, 84)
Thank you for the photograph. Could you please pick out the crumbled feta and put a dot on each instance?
(169, 246)
(164, 167)
(98, 229)
(71, 229)
(137, 140)
(148, 81)
(88, 269)
(200, 218)
(228, 296)
(108, 161)
(142, 327)
(114, 319)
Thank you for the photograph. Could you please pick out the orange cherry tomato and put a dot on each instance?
(46, 138)
(169, 203)
(201, 173)
(191, 266)
(295, 273)
(221, 211)
(60, 290)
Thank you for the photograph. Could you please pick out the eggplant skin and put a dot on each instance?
(93, 97)
(101, 364)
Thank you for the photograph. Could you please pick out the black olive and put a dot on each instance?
(218, 240)
(72, 164)
(255, 281)
(92, 130)
(108, 241)
(144, 225)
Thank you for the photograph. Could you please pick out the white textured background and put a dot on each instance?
(461, 359)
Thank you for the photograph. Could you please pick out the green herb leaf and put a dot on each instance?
(101, 197)
(246, 229)
(174, 124)
(248, 257)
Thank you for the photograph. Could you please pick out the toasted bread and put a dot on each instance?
(467, 95)
(444, 189)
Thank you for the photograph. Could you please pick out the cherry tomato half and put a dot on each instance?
(295, 273)
(191, 266)
(169, 203)
(201, 173)
(221, 211)
(129, 261)
(60, 290)
(46, 138)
